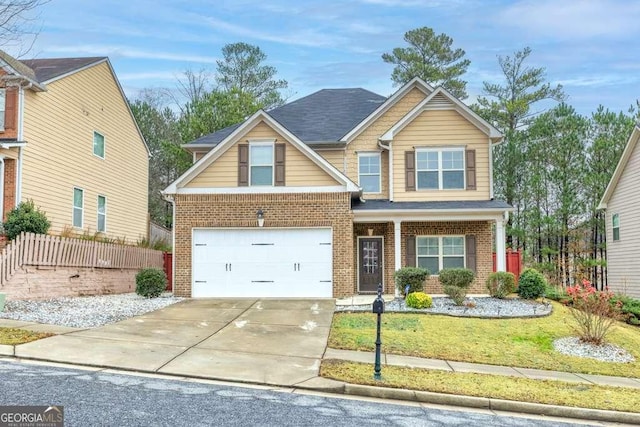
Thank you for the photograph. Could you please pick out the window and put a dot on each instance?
(440, 169)
(369, 172)
(102, 214)
(436, 253)
(98, 145)
(3, 97)
(615, 223)
(261, 164)
(78, 207)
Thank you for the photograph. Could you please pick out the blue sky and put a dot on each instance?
(590, 47)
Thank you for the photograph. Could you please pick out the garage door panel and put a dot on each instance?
(262, 262)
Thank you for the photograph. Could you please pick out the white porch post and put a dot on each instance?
(397, 235)
(501, 252)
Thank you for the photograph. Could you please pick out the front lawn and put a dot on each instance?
(491, 386)
(509, 342)
(12, 336)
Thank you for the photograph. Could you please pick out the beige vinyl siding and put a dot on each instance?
(58, 128)
(335, 157)
(622, 255)
(300, 171)
(368, 140)
(438, 128)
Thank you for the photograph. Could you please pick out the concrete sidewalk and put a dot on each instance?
(479, 368)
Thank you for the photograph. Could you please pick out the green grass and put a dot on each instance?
(12, 336)
(510, 342)
(491, 386)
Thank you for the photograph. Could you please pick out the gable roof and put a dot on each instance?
(49, 69)
(322, 117)
(622, 163)
(232, 137)
(436, 99)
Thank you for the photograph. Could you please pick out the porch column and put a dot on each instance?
(501, 252)
(397, 235)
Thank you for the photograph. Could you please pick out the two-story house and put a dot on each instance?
(69, 142)
(329, 195)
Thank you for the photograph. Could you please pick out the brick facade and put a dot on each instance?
(9, 201)
(484, 248)
(280, 210)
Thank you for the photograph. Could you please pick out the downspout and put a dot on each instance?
(390, 151)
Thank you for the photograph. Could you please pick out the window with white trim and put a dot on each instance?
(3, 98)
(369, 172)
(438, 252)
(615, 226)
(102, 214)
(440, 169)
(98, 144)
(261, 164)
(78, 207)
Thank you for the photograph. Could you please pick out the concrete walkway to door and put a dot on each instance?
(268, 341)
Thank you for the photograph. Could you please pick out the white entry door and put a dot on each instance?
(262, 262)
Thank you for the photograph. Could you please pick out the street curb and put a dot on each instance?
(7, 350)
(493, 404)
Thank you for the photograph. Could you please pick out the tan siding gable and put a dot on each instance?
(335, 157)
(300, 171)
(436, 128)
(368, 139)
(58, 128)
(622, 254)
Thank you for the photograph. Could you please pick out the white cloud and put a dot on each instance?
(574, 19)
(127, 52)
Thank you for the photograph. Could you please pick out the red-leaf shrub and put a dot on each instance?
(592, 311)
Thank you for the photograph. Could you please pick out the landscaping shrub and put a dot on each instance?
(556, 293)
(501, 283)
(629, 307)
(25, 217)
(150, 282)
(531, 284)
(412, 276)
(418, 300)
(593, 311)
(455, 282)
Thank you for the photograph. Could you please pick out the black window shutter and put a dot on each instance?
(410, 170)
(411, 251)
(470, 244)
(280, 164)
(471, 169)
(243, 165)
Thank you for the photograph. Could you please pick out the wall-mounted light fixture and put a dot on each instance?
(260, 216)
(370, 231)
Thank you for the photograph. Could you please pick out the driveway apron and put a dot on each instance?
(267, 341)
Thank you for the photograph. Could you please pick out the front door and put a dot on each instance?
(369, 263)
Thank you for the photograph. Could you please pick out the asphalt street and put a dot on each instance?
(98, 398)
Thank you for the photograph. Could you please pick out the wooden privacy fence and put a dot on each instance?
(53, 251)
(514, 262)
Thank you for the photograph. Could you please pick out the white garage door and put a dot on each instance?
(262, 263)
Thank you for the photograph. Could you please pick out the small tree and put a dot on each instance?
(455, 282)
(593, 312)
(414, 277)
(26, 217)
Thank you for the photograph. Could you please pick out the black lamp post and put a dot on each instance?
(378, 308)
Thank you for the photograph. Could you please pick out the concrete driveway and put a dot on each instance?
(268, 341)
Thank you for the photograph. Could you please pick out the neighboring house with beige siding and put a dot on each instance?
(74, 147)
(329, 195)
(621, 202)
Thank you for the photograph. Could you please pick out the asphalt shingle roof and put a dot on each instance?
(323, 116)
(49, 68)
(372, 205)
